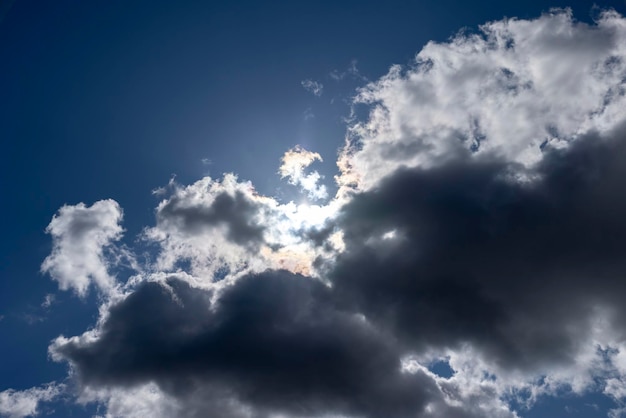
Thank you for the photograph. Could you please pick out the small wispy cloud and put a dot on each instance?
(314, 87)
(293, 164)
(48, 301)
(352, 72)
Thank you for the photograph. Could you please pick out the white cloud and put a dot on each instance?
(508, 91)
(213, 225)
(293, 164)
(314, 87)
(80, 236)
(225, 228)
(136, 402)
(18, 404)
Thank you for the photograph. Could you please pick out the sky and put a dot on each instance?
(338, 209)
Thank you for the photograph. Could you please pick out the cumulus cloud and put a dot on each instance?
(314, 87)
(293, 164)
(214, 225)
(25, 403)
(80, 237)
(517, 284)
(505, 92)
(480, 224)
(216, 229)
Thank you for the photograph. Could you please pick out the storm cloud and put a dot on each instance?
(464, 253)
(273, 341)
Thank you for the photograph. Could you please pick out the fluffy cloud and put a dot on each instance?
(25, 403)
(505, 92)
(216, 229)
(136, 402)
(293, 164)
(80, 237)
(480, 223)
(209, 222)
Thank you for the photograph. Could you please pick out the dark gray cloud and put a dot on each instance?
(514, 268)
(273, 341)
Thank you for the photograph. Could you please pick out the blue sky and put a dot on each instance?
(370, 177)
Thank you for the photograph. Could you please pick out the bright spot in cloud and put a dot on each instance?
(293, 164)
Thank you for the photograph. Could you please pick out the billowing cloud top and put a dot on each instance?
(506, 92)
(479, 224)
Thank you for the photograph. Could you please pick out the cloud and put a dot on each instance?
(293, 164)
(308, 114)
(215, 225)
(479, 224)
(222, 229)
(25, 403)
(136, 402)
(524, 274)
(273, 342)
(48, 301)
(80, 237)
(517, 283)
(352, 71)
(505, 92)
(314, 87)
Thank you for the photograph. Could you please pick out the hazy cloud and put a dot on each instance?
(352, 71)
(314, 87)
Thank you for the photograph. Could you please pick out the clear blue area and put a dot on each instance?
(442, 369)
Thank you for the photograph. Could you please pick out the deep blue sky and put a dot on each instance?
(109, 99)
